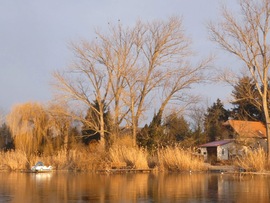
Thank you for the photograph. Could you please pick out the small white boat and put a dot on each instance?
(40, 167)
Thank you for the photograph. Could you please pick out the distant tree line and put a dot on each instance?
(35, 129)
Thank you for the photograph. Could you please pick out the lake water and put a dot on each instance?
(147, 187)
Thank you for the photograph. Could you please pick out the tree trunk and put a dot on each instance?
(267, 120)
(134, 135)
(102, 132)
(134, 130)
(268, 136)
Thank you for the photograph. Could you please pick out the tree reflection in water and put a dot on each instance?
(88, 187)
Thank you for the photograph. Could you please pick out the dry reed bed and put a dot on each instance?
(94, 158)
(133, 157)
(253, 161)
(82, 158)
(178, 159)
(13, 160)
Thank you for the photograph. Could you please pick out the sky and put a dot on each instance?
(35, 38)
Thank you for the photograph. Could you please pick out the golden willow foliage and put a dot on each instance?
(28, 126)
(36, 129)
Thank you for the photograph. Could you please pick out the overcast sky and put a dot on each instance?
(35, 35)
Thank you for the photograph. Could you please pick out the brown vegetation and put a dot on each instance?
(178, 159)
(93, 157)
(253, 161)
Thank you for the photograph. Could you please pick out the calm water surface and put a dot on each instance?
(87, 187)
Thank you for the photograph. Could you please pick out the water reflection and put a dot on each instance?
(86, 187)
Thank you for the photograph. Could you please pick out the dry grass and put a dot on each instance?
(81, 158)
(122, 151)
(255, 161)
(178, 159)
(134, 157)
(94, 157)
(13, 160)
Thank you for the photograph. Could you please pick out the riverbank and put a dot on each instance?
(221, 168)
(130, 159)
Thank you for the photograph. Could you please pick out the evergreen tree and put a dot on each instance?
(152, 135)
(92, 123)
(247, 102)
(214, 118)
(6, 138)
(177, 127)
(174, 129)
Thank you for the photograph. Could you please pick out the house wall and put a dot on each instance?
(203, 151)
(223, 152)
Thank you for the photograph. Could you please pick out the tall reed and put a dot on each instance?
(94, 157)
(133, 157)
(13, 160)
(80, 158)
(178, 159)
(253, 161)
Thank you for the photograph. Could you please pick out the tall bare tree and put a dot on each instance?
(125, 67)
(164, 67)
(119, 52)
(163, 48)
(86, 81)
(245, 34)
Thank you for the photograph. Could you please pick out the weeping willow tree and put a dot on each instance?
(38, 129)
(28, 125)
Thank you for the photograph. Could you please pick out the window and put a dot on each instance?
(223, 151)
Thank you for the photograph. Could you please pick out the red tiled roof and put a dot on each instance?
(216, 143)
(250, 129)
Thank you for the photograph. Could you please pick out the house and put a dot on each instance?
(216, 150)
(251, 134)
(243, 135)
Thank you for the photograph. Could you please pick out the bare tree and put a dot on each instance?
(126, 67)
(119, 53)
(164, 47)
(175, 87)
(86, 81)
(101, 73)
(246, 35)
(164, 68)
